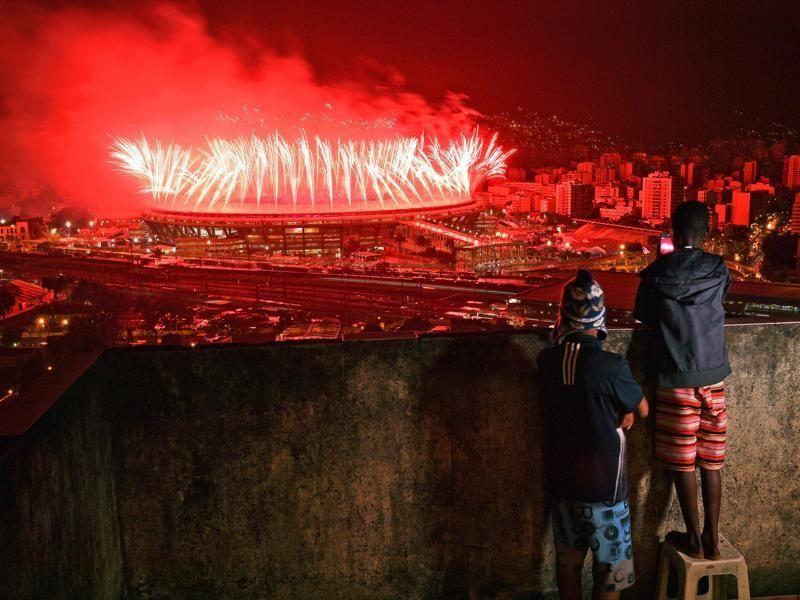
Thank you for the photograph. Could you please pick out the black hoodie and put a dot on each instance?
(681, 296)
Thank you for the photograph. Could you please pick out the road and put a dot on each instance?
(353, 296)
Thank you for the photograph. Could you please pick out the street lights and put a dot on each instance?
(69, 228)
(42, 323)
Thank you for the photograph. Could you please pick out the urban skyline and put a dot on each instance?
(236, 185)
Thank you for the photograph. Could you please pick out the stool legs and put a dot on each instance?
(718, 582)
(687, 583)
(743, 584)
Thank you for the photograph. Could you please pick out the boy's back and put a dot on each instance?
(588, 397)
(681, 296)
(585, 390)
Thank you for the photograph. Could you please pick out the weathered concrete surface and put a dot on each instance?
(393, 469)
(59, 536)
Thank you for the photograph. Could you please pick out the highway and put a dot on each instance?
(347, 295)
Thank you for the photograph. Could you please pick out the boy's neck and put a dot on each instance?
(688, 244)
(573, 335)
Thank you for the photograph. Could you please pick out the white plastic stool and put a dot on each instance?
(691, 570)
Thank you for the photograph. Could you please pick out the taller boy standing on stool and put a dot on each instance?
(681, 296)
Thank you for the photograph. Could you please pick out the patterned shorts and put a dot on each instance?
(604, 528)
(691, 427)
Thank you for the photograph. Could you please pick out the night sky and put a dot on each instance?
(652, 71)
(640, 69)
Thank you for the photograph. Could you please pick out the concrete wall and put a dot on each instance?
(59, 536)
(387, 469)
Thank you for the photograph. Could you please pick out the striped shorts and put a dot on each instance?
(691, 427)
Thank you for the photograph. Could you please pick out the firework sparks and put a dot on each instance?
(273, 173)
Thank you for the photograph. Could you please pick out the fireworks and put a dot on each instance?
(273, 174)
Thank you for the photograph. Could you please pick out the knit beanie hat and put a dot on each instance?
(582, 307)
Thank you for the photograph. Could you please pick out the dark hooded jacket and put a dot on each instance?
(680, 295)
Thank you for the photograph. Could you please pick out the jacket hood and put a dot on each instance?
(688, 276)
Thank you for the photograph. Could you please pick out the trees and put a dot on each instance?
(11, 336)
(36, 227)
(89, 292)
(631, 221)
(779, 255)
(98, 296)
(93, 332)
(7, 301)
(172, 339)
(57, 284)
(167, 309)
(77, 216)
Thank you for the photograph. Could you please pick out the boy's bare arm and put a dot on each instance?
(627, 419)
(644, 408)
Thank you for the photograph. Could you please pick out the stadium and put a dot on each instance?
(305, 196)
(304, 234)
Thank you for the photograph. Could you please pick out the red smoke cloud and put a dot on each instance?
(70, 79)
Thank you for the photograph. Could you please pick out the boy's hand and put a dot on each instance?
(644, 408)
(626, 422)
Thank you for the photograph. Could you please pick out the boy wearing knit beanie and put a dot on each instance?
(589, 397)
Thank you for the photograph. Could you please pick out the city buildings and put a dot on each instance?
(723, 215)
(574, 199)
(659, 195)
(15, 232)
(748, 206)
(687, 173)
(619, 210)
(200, 247)
(605, 174)
(27, 296)
(749, 172)
(585, 171)
(625, 171)
(795, 225)
(791, 171)
(610, 159)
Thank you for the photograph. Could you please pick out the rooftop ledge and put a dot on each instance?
(398, 468)
(19, 413)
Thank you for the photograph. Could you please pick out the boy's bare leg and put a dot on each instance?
(569, 564)
(690, 542)
(712, 498)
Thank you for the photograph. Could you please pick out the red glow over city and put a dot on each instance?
(90, 76)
